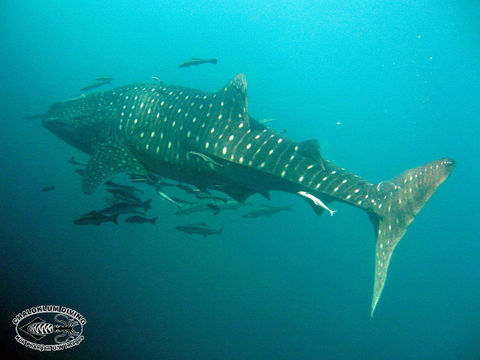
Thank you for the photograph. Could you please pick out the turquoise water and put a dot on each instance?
(384, 87)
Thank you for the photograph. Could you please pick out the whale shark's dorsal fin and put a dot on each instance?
(233, 97)
(109, 159)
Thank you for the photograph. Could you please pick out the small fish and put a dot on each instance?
(136, 219)
(195, 61)
(124, 195)
(157, 79)
(168, 198)
(128, 188)
(264, 121)
(212, 197)
(125, 207)
(316, 202)
(204, 157)
(192, 209)
(200, 229)
(95, 85)
(75, 162)
(104, 78)
(95, 218)
(35, 117)
(181, 201)
(141, 180)
(266, 210)
(47, 188)
(190, 190)
(232, 205)
(80, 172)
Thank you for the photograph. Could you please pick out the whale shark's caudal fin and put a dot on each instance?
(399, 201)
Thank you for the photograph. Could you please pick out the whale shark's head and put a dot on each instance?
(77, 122)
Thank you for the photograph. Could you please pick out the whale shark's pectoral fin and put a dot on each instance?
(108, 160)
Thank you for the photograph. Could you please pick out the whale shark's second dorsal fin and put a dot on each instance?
(109, 159)
(311, 149)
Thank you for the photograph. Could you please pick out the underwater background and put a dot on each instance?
(384, 87)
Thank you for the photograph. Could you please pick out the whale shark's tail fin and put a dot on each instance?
(399, 201)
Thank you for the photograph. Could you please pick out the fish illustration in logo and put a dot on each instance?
(39, 328)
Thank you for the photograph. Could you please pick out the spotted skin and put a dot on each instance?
(156, 128)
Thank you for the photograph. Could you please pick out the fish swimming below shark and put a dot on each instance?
(196, 61)
(154, 128)
(199, 229)
(95, 218)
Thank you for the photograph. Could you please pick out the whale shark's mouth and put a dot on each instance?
(59, 127)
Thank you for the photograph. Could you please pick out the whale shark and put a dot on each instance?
(209, 140)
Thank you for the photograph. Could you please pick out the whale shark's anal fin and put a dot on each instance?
(108, 160)
(398, 204)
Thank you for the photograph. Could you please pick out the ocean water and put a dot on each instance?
(384, 87)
